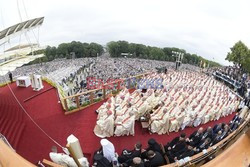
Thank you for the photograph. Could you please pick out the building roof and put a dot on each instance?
(26, 25)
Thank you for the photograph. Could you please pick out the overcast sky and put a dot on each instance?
(204, 27)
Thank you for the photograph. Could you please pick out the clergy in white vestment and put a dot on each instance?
(150, 97)
(104, 105)
(105, 126)
(103, 112)
(160, 123)
(121, 114)
(159, 110)
(197, 119)
(187, 121)
(121, 110)
(126, 126)
(163, 96)
(176, 121)
(65, 160)
(219, 110)
(119, 99)
(175, 110)
(142, 108)
(155, 101)
(61, 158)
(108, 150)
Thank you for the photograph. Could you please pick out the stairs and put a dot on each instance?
(11, 120)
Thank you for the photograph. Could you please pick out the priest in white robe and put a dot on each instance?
(160, 123)
(105, 126)
(126, 126)
(142, 108)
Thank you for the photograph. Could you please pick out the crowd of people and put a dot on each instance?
(183, 98)
(71, 72)
(236, 78)
(180, 149)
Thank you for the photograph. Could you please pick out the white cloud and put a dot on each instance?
(208, 28)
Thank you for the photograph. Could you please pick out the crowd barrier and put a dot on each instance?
(82, 100)
(233, 83)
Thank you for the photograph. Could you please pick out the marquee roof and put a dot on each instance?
(26, 25)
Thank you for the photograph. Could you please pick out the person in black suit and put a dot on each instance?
(225, 132)
(196, 137)
(137, 162)
(217, 128)
(203, 145)
(217, 138)
(208, 134)
(176, 147)
(169, 146)
(11, 77)
(127, 156)
(154, 159)
(189, 151)
(236, 117)
(152, 145)
(234, 125)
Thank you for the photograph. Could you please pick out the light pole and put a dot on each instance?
(179, 57)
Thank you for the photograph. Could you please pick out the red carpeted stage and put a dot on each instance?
(44, 108)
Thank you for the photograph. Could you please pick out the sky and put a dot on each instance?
(207, 28)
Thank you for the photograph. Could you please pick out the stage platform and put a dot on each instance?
(48, 113)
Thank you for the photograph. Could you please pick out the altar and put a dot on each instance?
(23, 81)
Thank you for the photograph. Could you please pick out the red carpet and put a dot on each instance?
(33, 145)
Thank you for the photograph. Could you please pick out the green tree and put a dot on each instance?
(113, 48)
(148, 52)
(239, 54)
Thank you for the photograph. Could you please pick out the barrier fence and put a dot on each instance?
(82, 100)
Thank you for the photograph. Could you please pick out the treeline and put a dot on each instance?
(133, 50)
(117, 49)
(74, 49)
(70, 50)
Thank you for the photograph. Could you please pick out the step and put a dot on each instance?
(10, 129)
(20, 114)
(12, 134)
(3, 116)
(3, 125)
(18, 135)
(3, 111)
(7, 126)
(7, 119)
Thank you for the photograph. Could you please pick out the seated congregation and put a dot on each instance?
(185, 99)
(157, 154)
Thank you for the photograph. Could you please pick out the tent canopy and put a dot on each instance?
(26, 25)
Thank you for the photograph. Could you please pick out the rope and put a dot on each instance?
(2, 18)
(29, 41)
(30, 116)
(26, 13)
(20, 16)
